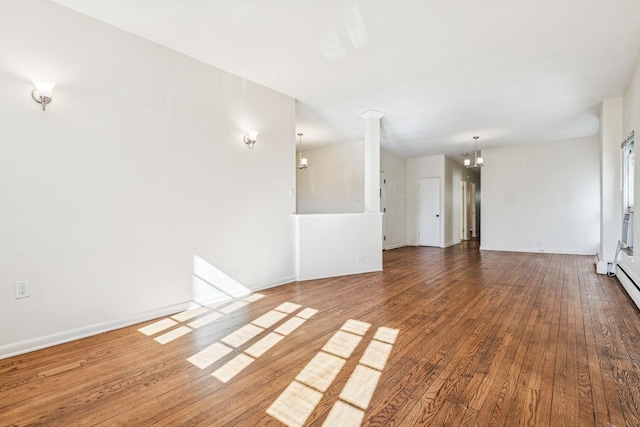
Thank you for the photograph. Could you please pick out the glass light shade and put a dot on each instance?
(303, 162)
(467, 162)
(253, 134)
(44, 88)
(480, 161)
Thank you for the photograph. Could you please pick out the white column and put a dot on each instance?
(372, 160)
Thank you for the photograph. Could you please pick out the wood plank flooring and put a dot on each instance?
(442, 337)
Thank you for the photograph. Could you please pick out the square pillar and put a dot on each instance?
(372, 160)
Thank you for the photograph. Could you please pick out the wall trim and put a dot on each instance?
(396, 246)
(547, 251)
(23, 347)
(275, 283)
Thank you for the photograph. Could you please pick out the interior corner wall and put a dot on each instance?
(334, 180)
(136, 167)
(542, 197)
(395, 217)
(418, 168)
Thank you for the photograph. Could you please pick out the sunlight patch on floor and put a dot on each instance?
(304, 399)
(223, 307)
(252, 340)
(321, 371)
(176, 333)
(210, 283)
(232, 367)
(387, 335)
(264, 345)
(242, 335)
(297, 402)
(344, 415)
(360, 386)
(290, 325)
(376, 355)
(250, 331)
(342, 344)
(209, 355)
(287, 307)
(233, 307)
(156, 327)
(205, 320)
(269, 319)
(189, 314)
(283, 317)
(359, 389)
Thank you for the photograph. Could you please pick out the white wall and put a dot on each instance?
(329, 245)
(417, 168)
(542, 197)
(137, 166)
(334, 180)
(395, 218)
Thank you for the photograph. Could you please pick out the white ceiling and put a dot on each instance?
(510, 71)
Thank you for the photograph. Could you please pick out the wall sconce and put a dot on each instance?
(250, 138)
(42, 93)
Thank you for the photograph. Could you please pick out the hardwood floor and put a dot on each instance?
(450, 336)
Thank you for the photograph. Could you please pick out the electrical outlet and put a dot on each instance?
(22, 289)
(360, 258)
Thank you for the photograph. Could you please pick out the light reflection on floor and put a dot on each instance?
(250, 331)
(236, 339)
(252, 340)
(299, 399)
(221, 309)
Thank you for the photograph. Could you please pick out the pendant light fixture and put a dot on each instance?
(478, 161)
(303, 161)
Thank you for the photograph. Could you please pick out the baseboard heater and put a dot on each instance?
(633, 282)
(629, 285)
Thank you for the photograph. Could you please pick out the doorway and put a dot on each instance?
(468, 209)
(429, 212)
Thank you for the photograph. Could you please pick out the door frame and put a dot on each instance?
(464, 211)
(383, 208)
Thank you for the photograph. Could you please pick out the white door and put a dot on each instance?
(429, 228)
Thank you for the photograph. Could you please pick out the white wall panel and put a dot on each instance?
(542, 197)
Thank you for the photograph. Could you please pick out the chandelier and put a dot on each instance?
(303, 161)
(478, 161)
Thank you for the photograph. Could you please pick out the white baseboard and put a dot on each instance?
(399, 245)
(87, 331)
(533, 251)
(275, 283)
